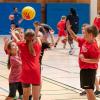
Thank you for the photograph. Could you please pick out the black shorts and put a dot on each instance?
(26, 85)
(87, 78)
(13, 87)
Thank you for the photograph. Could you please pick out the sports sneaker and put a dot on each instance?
(30, 97)
(20, 97)
(55, 45)
(82, 93)
(72, 46)
(71, 52)
(15, 98)
(40, 97)
(97, 92)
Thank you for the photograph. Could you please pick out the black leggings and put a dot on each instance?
(13, 87)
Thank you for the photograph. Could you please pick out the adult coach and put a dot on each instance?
(17, 17)
(74, 22)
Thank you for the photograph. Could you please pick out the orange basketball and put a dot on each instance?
(11, 17)
(28, 13)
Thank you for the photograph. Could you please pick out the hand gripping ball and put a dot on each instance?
(28, 13)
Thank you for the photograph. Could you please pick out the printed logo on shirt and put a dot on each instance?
(84, 49)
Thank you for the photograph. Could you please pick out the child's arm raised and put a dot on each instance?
(14, 35)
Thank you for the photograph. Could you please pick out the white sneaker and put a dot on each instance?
(71, 52)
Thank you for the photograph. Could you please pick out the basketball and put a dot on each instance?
(28, 13)
(11, 17)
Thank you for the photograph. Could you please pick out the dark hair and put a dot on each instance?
(73, 11)
(99, 13)
(14, 8)
(92, 29)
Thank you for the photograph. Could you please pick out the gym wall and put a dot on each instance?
(54, 11)
(7, 8)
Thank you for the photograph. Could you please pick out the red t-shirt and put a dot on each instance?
(97, 22)
(16, 69)
(90, 51)
(30, 64)
(61, 28)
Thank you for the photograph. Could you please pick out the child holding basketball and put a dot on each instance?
(88, 58)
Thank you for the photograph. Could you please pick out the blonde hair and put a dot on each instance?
(63, 17)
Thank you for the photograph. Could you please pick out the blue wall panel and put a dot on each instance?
(56, 10)
(7, 8)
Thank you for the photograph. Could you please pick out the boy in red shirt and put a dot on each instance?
(61, 30)
(88, 58)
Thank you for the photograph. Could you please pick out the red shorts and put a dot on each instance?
(62, 33)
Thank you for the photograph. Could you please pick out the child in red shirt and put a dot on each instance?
(15, 67)
(88, 58)
(30, 54)
(61, 31)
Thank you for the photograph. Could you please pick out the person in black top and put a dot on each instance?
(73, 19)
